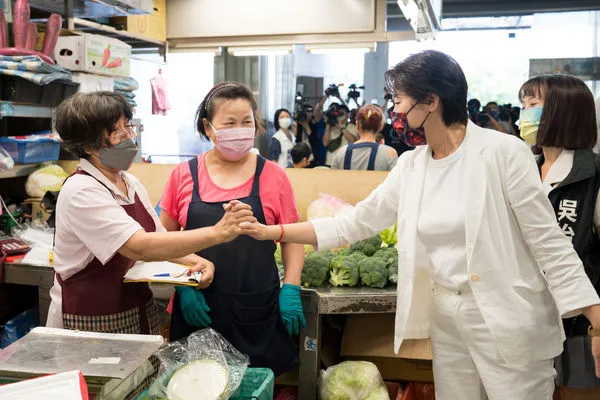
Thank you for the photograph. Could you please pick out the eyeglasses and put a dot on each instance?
(126, 132)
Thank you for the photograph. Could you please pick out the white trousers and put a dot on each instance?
(466, 361)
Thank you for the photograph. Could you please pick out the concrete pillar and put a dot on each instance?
(376, 63)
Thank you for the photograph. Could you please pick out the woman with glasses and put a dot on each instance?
(105, 223)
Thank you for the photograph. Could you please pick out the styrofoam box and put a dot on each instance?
(93, 83)
(87, 53)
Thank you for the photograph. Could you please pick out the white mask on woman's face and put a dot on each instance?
(285, 123)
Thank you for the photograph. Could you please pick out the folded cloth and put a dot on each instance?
(128, 84)
(32, 68)
(125, 93)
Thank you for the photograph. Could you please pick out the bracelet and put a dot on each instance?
(280, 240)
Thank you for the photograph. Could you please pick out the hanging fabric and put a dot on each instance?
(160, 103)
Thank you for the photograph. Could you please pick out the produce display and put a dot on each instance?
(353, 380)
(372, 262)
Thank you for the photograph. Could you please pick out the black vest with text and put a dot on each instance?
(574, 201)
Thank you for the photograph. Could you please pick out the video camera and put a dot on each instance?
(301, 109)
(332, 90)
(332, 114)
(353, 93)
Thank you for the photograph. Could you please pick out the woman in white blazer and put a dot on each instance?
(483, 268)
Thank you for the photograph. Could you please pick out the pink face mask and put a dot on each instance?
(234, 143)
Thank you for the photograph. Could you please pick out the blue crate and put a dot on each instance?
(31, 150)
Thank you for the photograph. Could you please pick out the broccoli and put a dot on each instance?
(390, 256)
(316, 268)
(373, 272)
(357, 256)
(368, 246)
(344, 271)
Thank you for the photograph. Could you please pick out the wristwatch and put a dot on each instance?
(593, 332)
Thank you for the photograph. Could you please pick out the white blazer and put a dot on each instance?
(524, 272)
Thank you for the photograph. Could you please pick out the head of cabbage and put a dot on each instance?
(353, 380)
(48, 178)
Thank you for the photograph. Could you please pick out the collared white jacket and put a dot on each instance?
(524, 273)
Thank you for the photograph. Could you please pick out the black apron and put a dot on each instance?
(244, 295)
(352, 146)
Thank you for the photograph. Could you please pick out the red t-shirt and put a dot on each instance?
(276, 193)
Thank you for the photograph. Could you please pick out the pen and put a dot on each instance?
(161, 275)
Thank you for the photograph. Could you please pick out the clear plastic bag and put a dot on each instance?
(353, 380)
(6, 161)
(203, 366)
(326, 206)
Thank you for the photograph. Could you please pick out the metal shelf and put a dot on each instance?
(24, 110)
(140, 44)
(90, 8)
(19, 170)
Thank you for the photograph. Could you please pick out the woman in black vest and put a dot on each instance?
(366, 153)
(559, 116)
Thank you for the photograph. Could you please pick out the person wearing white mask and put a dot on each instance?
(245, 302)
(284, 139)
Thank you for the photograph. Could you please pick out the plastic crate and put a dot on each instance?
(31, 150)
(257, 384)
(21, 90)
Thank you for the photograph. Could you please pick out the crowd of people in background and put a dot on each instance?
(328, 135)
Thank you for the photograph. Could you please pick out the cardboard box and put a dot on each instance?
(93, 83)
(153, 26)
(370, 337)
(86, 53)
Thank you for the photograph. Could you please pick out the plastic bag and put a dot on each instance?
(353, 380)
(6, 161)
(326, 206)
(203, 366)
(47, 178)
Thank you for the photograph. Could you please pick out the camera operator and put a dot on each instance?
(338, 131)
(499, 118)
(306, 129)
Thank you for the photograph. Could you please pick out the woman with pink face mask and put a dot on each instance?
(245, 302)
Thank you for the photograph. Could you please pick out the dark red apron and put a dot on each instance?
(95, 299)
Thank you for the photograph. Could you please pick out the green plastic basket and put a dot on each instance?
(257, 384)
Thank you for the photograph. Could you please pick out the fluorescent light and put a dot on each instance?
(329, 48)
(182, 48)
(260, 51)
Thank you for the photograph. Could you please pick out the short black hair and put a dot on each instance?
(569, 114)
(83, 120)
(225, 91)
(299, 152)
(276, 117)
(432, 73)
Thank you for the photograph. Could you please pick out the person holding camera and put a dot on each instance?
(338, 131)
(307, 129)
(283, 140)
(366, 153)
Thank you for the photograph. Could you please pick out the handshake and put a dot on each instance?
(238, 220)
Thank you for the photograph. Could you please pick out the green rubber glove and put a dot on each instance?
(290, 307)
(193, 306)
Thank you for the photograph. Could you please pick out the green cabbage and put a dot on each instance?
(353, 380)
